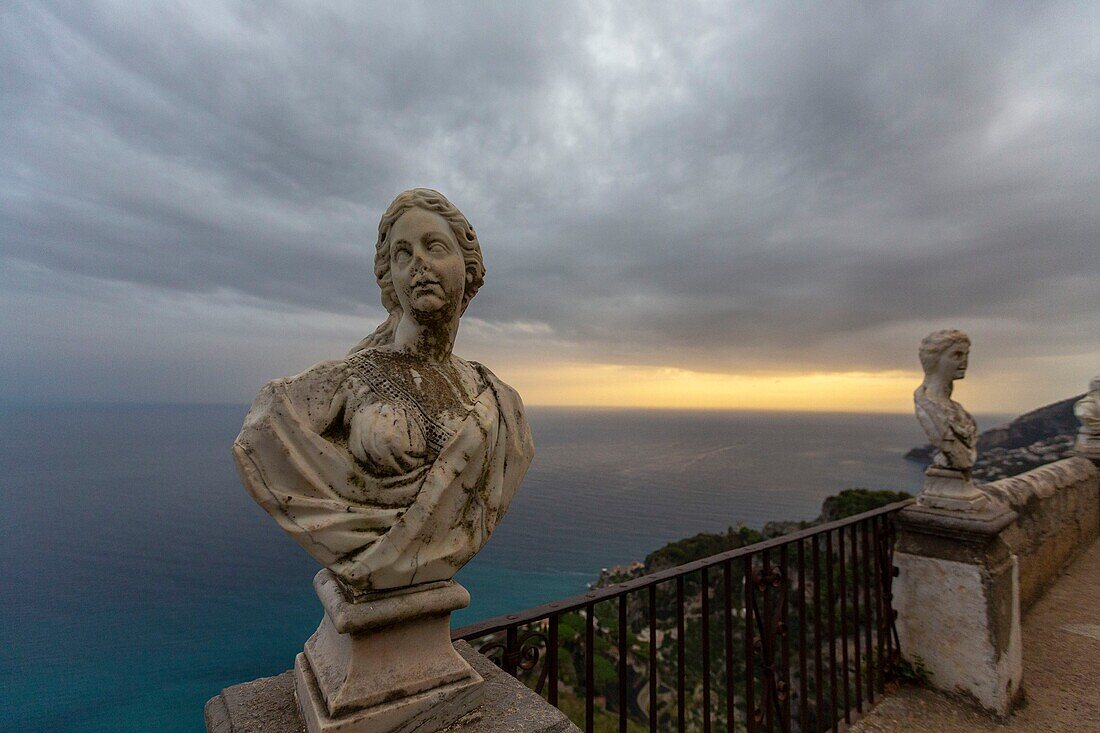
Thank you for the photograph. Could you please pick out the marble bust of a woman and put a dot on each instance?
(950, 428)
(393, 465)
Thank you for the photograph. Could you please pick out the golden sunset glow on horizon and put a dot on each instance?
(611, 385)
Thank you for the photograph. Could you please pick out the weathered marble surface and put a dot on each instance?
(957, 594)
(944, 355)
(945, 618)
(1058, 507)
(392, 466)
(384, 662)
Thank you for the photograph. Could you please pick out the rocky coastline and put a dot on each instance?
(1031, 440)
(1038, 437)
(705, 544)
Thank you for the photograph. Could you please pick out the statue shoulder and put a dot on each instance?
(368, 353)
(317, 394)
(924, 405)
(930, 415)
(323, 378)
(502, 389)
(485, 375)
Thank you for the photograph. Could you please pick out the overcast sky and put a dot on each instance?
(190, 193)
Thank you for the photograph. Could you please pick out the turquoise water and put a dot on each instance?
(137, 578)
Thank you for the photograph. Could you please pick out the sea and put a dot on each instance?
(138, 579)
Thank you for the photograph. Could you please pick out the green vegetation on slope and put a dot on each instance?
(701, 545)
(856, 501)
(847, 503)
(606, 652)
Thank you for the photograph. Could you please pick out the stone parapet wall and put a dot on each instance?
(1058, 508)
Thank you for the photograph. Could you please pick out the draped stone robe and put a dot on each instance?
(378, 533)
(949, 427)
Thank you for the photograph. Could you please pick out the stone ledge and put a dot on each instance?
(267, 705)
(1059, 667)
(975, 538)
(1042, 482)
(1059, 508)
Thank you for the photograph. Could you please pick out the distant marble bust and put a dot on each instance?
(1087, 409)
(951, 429)
(393, 465)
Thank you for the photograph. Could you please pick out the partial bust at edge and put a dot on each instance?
(393, 465)
(950, 428)
(1087, 409)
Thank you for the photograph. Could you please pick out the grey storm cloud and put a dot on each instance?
(702, 185)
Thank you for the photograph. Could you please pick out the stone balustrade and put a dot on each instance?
(1058, 515)
(966, 570)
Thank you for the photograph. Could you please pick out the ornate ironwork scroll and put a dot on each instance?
(768, 602)
(518, 653)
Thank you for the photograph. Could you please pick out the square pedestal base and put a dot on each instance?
(268, 705)
(957, 597)
(432, 710)
(949, 489)
(383, 662)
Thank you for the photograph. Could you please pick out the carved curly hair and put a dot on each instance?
(934, 344)
(428, 200)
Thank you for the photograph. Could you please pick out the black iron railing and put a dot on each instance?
(801, 646)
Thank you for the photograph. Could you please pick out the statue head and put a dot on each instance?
(945, 352)
(436, 203)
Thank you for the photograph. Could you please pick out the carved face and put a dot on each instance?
(953, 361)
(426, 265)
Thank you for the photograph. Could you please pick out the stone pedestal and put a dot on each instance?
(957, 594)
(268, 706)
(952, 490)
(383, 662)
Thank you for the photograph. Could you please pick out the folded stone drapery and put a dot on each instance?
(380, 533)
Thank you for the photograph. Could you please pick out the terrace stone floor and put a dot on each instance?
(1061, 671)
